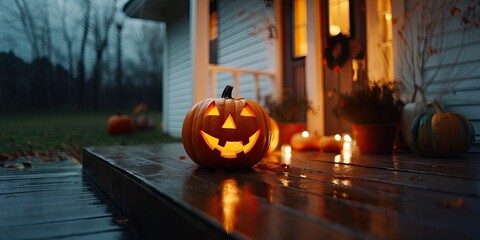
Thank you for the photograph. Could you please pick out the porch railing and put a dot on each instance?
(213, 70)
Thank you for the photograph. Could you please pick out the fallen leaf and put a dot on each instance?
(415, 178)
(122, 220)
(4, 157)
(455, 203)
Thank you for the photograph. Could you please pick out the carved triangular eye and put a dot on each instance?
(229, 123)
(212, 110)
(247, 111)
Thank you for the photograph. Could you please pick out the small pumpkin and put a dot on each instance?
(140, 108)
(275, 136)
(305, 141)
(119, 124)
(441, 134)
(226, 132)
(332, 143)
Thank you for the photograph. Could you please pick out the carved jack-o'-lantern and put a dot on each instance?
(226, 133)
(275, 136)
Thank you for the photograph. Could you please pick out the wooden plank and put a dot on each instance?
(318, 194)
(152, 214)
(62, 229)
(50, 200)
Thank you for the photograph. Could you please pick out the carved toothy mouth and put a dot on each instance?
(231, 148)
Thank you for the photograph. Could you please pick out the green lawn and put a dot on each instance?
(30, 132)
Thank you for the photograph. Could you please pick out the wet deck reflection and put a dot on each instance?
(312, 195)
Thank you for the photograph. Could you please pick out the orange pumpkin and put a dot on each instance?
(305, 141)
(275, 136)
(119, 124)
(142, 107)
(441, 134)
(226, 133)
(332, 143)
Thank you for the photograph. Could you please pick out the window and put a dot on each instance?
(339, 17)
(300, 28)
(213, 33)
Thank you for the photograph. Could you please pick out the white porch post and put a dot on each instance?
(314, 68)
(199, 17)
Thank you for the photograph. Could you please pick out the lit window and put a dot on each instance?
(213, 33)
(339, 17)
(213, 26)
(300, 28)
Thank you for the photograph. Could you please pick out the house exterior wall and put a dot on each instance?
(178, 94)
(243, 43)
(456, 81)
(451, 74)
(239, 46)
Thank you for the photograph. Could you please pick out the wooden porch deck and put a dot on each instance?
(320, 196)
(54, 200)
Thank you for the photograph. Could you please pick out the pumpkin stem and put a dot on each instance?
(227, 92)
(438, 107)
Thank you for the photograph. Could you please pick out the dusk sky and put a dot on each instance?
(12, 38)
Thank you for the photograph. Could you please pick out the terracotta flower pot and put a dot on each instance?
(287, 130)
(374, 138)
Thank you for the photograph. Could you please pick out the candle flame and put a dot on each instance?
(305, 134)
(347, 138)
(286, 154)
(338, 137)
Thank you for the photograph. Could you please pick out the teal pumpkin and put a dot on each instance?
(441, 134)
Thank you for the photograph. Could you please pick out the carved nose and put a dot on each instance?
(229, 123)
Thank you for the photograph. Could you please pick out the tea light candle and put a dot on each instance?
(286, 154)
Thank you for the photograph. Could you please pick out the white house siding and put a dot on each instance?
(178, 83)
(455, 72)
(240, 47)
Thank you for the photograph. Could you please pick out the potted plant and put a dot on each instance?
(289, 112)
(374, 113)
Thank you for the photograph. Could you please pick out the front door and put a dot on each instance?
(347, 29)
(293, 61)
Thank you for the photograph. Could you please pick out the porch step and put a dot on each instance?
(319, 196)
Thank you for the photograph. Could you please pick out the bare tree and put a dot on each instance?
(23, 12)
(149, 48)
(119, 74)
(81, 75)
(422, 31)
(68, 37)
(104, 19)
(47, 45)
(35, 25)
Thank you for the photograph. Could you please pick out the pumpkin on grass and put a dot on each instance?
(441, 134)
(119, 124)
(140, 117)
(226, 132)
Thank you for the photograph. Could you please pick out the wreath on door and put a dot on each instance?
(337, 52)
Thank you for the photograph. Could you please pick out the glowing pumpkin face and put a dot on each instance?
(226, 132)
